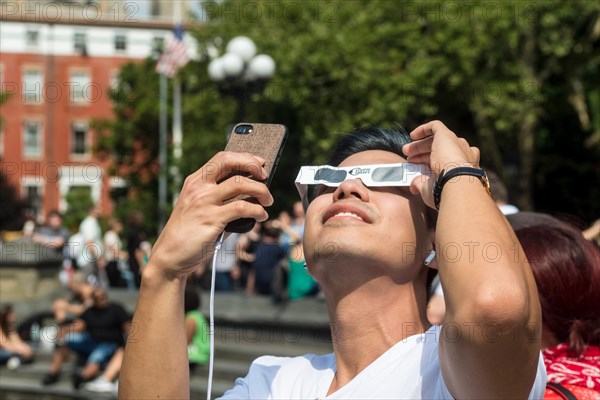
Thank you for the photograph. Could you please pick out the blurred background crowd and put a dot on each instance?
(267, 261)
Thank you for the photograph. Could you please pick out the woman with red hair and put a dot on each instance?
(566, 268)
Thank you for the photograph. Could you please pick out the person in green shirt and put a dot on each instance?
(300, 282)
(196, 329)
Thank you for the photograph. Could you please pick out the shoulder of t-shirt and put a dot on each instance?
(317, 361)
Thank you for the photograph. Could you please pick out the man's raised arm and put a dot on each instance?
(156, 361)
(490, 342)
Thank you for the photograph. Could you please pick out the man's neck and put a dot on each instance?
(371, 319)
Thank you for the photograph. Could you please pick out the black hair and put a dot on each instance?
(386, 139)
(191, 299)
(369, 138)
(267, 229)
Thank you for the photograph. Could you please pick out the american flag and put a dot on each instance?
(174, 56)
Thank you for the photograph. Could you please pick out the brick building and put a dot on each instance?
(59, 62)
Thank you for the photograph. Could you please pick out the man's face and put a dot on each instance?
(381, 228)
(100, 298)
(54, 221)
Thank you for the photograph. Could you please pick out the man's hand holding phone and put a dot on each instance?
(202, 212)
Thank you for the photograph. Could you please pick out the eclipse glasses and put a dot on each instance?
(376, 175)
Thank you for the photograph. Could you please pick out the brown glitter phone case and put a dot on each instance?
(263, 140)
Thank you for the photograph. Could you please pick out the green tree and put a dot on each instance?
(79, 201)
(518, 79)
(130, 141)
(12, 207)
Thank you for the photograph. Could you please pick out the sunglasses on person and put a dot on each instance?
(376, 175)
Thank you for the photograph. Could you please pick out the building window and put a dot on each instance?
(32, 197)
(158, 44)
(114, 82)
(32, 37)
(120, 43)
(32, 86)
(155, 9)
(80, 83)
(80, 45)
(79, 142)
(32, 139)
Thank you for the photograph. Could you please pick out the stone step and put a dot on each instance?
(248, 344)
(64, 389)
(224, 369)
(248, 349)
(245, 328)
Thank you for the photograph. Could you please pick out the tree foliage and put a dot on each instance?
(12, 207)
(518, 79)
(79, 201)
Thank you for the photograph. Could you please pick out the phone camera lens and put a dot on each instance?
(243, 129)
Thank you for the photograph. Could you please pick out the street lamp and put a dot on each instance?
(240, 73)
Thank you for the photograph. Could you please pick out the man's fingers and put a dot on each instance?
(226, 162)
(237, 185)
(419, 159)
(428, 129)
(243, 209)
(419, 147)
(475, 153)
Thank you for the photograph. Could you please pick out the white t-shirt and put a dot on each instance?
(111, 238)
(90, 231)
(408, 370)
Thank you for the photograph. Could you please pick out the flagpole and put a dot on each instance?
(174, 56)
(162, 155)
(177, 119)
(177, 136)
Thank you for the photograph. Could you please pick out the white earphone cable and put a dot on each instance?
(211, 331)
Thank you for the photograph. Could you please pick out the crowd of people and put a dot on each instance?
(94, 330)
(85, 323)
(268, 260)
(111, 259)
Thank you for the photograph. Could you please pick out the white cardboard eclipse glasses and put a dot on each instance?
(375, 175)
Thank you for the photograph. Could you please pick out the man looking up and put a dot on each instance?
(374, 280)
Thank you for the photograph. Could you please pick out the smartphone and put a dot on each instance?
(263, 140)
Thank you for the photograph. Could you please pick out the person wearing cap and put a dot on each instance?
(366, 247)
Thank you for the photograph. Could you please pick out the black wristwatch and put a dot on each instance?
(445, 177)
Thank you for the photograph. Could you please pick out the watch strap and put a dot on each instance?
(446, 176)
